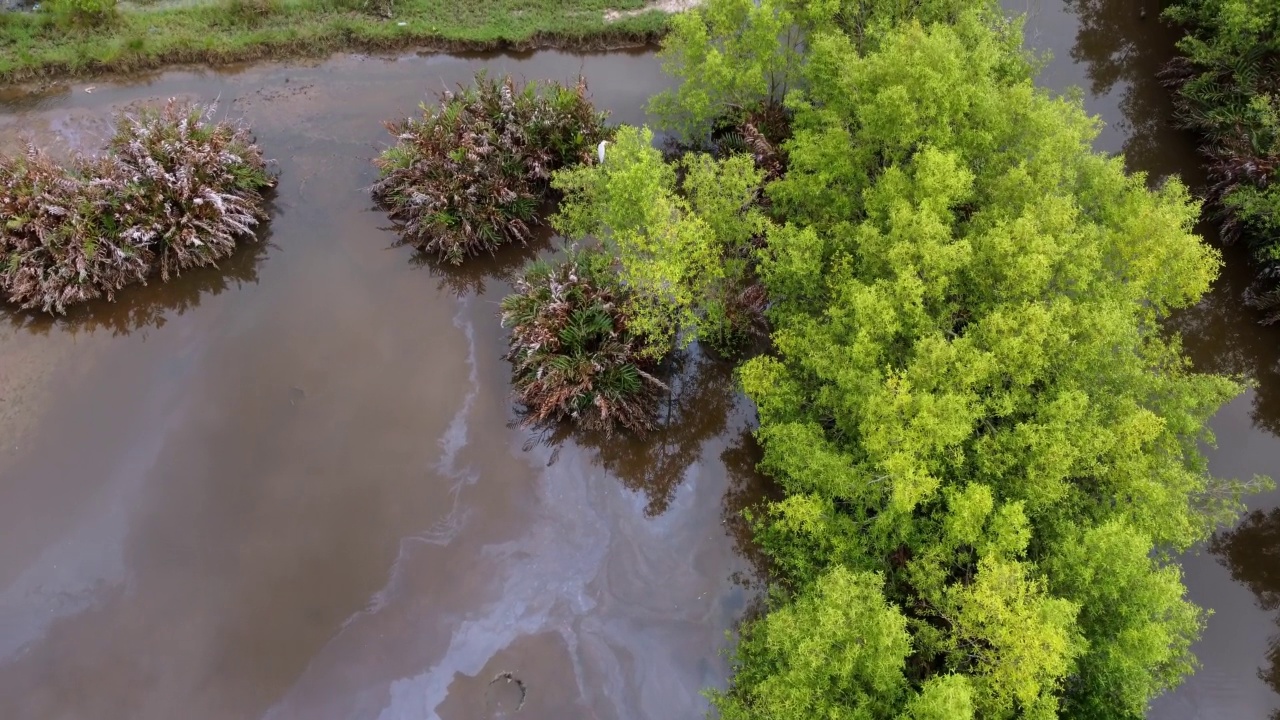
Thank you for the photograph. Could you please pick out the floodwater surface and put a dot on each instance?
(291, 486)
(1112, 50)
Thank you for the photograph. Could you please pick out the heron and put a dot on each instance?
(600, 150)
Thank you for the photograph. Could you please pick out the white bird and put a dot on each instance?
(600, 150)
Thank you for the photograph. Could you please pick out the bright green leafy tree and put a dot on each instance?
(681, 246)
(984, 436)
(838, 652)
(733, 56)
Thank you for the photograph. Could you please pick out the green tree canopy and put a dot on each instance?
(679, 242)
(732, 56)
(984, 436)
(836, 653)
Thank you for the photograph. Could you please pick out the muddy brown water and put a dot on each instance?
(290, 487)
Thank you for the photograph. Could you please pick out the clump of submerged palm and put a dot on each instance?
(175, 190)
(470, 174)
(572, 352)
(1227, 89)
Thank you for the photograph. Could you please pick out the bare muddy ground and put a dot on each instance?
(289, 487)
(1112, 50)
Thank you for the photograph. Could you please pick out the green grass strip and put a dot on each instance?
(35, 45)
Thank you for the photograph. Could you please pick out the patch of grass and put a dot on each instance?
(40, 44)
(175, 190)
(468, 176)
(83, 13)
(573, 356)
(252, 11)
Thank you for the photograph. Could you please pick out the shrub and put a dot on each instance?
(205, 180)
(1227, 87)
(686, 236)
(470, 175)
(174, 191)
(572, 351)
(57, 242)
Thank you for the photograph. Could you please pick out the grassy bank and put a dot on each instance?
(44, 44)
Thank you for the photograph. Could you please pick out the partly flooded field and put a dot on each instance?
(290, 487)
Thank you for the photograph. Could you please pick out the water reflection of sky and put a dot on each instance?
(625, 591)
(87, 564)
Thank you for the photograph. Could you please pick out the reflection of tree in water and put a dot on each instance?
(1251, 552)
(138, 307)
(1222, 336)
(748, 491)
(1117, 46)
(696, 410)
(472, 275)
(702, 403)
(1126, 42)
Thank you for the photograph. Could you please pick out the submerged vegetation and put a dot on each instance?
(175, 190)
(573, 351)
(1228, 90)
(470, 174)
(74, 37)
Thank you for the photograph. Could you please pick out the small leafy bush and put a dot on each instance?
(469, 175)
(572, 351)
(175, 190)
(58, 242)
